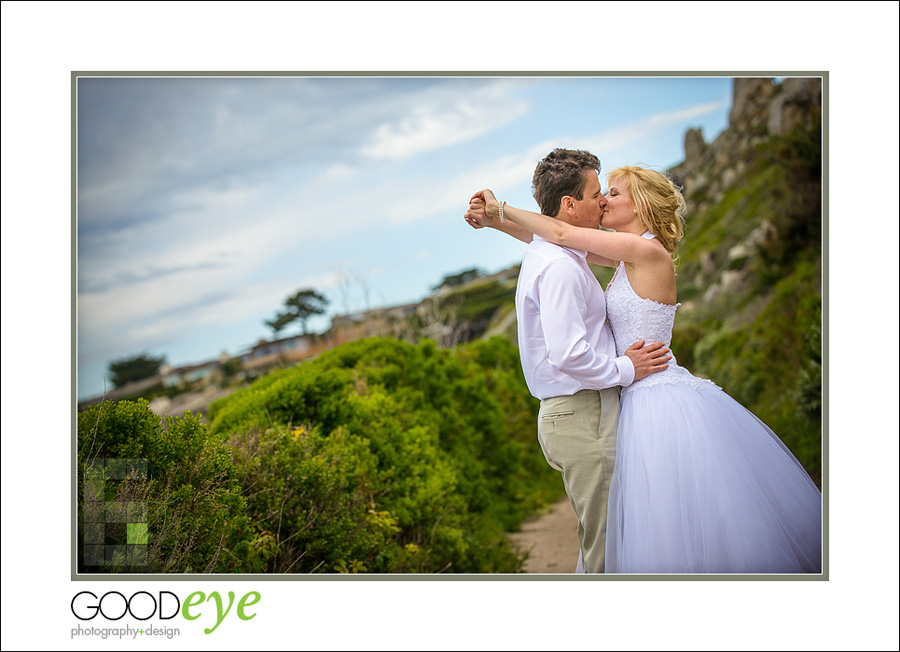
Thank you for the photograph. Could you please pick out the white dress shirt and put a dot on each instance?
(564, 341)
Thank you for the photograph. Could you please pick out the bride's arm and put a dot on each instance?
(603, 261)
(478, 219)
(608, 246)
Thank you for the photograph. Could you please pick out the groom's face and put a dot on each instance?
(589, 208)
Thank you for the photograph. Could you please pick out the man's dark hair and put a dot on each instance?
(561, 173)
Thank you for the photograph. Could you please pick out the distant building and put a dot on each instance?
(133, 388)
(203, 374)
(267, 354)
(369, 323)
(341, 322)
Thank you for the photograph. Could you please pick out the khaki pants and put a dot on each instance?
(578, 436)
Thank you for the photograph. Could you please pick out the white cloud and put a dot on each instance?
(122, 321)
(624, 135)
(337, 173)
(162, 288)
(435, 124)
(405, 204)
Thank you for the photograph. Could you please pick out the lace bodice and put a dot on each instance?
(633, 318)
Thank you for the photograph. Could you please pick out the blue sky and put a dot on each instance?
(204, 202)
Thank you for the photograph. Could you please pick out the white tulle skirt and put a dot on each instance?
(701, 485)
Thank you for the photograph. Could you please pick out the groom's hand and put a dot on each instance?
(648, 359)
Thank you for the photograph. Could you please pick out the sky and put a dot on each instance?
(203, 202)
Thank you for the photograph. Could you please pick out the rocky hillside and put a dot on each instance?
(750, 268)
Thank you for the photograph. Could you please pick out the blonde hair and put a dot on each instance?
(658, 202)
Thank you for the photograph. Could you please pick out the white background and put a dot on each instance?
(857, 43)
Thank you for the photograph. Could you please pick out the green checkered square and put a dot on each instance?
(137, 533)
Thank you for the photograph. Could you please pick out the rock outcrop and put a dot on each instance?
(761, 108)
(792, 107)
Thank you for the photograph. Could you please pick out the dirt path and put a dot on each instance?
(551, 539)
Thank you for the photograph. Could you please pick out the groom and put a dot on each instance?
(567, 349)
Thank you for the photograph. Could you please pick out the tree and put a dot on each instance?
(301, 305)
(279, 323)
(134, 368)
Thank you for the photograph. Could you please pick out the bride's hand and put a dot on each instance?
(491, 205)
(483, 209)
(476, 216)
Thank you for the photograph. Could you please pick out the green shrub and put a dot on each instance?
(423, 457)
(191, 501)
(307, 494)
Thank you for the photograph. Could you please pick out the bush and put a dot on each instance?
(381, 456)
(184, 489)
(377, 456)
(307, 494)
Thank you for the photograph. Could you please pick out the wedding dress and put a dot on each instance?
(700, 485)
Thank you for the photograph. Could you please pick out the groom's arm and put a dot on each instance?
(648, 359)
(563, 306)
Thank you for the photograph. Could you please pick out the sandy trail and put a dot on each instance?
(551, 539)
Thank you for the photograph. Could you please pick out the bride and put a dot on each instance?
(700, 485)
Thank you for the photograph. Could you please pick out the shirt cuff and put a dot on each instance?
(626, 370)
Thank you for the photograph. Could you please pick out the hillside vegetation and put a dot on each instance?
(378, 456)
(750, 267)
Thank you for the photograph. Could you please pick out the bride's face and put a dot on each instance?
(619, 211)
